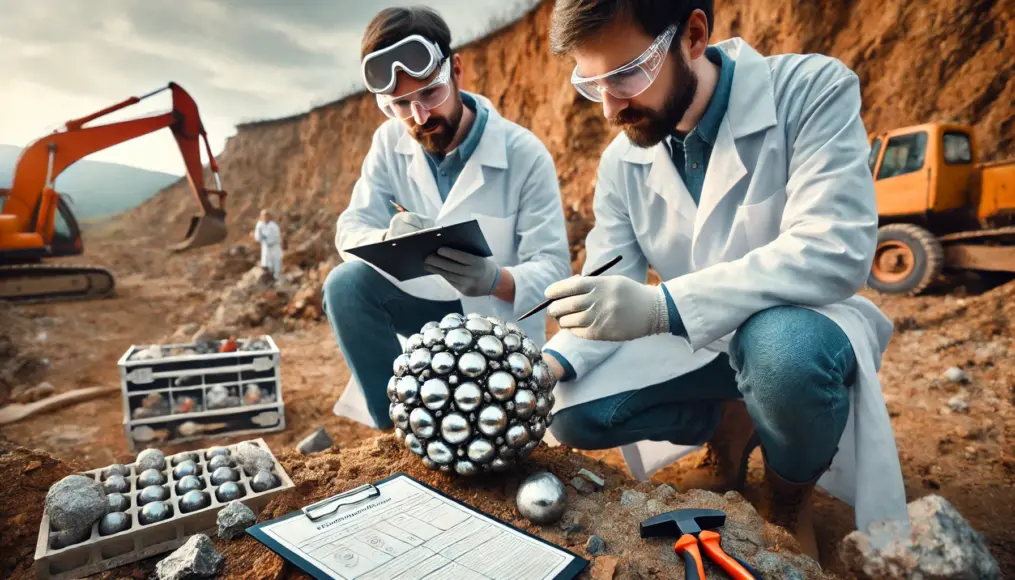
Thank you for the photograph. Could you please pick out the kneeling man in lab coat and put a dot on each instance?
(445, 156)
(743, 181)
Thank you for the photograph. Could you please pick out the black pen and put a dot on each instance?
(595, 272)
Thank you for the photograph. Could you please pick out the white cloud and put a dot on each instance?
(239, 59)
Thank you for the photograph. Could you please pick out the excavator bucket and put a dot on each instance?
(204, 230)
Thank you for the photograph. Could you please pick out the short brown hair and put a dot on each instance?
(575, 22)
(393, 24)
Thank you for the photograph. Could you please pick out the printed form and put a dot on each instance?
(408, 531)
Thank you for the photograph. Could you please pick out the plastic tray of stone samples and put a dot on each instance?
(140, 541)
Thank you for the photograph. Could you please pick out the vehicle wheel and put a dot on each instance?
(907, 259)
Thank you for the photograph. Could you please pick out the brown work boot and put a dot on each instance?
(788, 505)
(724, 466)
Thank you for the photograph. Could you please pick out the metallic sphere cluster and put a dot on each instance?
(470, 394)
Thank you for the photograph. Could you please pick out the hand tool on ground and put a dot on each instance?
(18, 411)
(692, 526)
(547, 302)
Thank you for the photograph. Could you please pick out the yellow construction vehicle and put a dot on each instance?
(938, 208)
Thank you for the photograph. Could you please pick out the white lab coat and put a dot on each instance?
(509, 185)
(271, 246)
(787, 216)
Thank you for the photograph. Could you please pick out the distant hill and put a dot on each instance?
(97, 189)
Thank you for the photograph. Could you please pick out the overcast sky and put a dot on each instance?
(241, 60)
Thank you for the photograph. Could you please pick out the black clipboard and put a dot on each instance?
(328, 506)
(402, 257)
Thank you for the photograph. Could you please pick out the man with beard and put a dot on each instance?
(742, 180)
(444, 156)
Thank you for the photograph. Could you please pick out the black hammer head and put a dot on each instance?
(679, 522)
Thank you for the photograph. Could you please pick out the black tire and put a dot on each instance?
(927, 256)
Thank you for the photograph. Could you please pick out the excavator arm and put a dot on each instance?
(27, 219)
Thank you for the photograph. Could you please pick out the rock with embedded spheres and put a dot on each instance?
(470, 394)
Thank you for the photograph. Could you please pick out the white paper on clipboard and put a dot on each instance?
(408, 531)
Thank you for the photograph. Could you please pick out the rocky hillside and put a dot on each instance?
(919, 61)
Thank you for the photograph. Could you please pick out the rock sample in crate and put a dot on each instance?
(75, 502)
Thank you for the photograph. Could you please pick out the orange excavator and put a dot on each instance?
(36, 223)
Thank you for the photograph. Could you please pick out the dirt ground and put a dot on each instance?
(964, 455)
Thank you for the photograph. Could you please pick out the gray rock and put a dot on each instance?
(75, 502)
(582, 485)
(772, 565)
(150, 459)
(252, 458)
(195, 559)
(654, 506)
(595, 546)
(664, 492)
(956, 375)
(632, 499)
(234, 519)
(598, 482)
(317, 441)
(958, 404)
(938, 544)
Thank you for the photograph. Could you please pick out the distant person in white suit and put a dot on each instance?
(268, 234)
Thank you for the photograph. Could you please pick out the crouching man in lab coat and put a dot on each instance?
(268, 234)
(446, 156)
(743, 181)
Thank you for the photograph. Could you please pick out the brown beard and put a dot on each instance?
(438, 141)
(647, 127)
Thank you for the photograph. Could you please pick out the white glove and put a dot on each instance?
(613, 308)
(407, 222)
(470, 274)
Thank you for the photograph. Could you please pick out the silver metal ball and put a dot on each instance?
(429, 325)
(407, 389)
(264, 480)
(184, 468)
(507, 452)
(115, 469)
(150, 477)
(492, 420)
(194, 500)
(399, 415)
(515, 329)
(481, 451)
(443, 363)
(499, 331)
(479, 326)
(216, 451)
(430, 463)
(543, 404)
(224, 474)
(452, 320)
(392, 390)
(114, 522)
(189, 483)
(472, 364)
(543, 376)
(541, 498)
(512, 342)
(220, 461)
(537, 429)
(155, 512)
(520, 365)
(468, 397)
(419, 360)
(229, 491)
(432, 336)
(435, 393)
(152, 493)
(455, 429)
(186, 456)
(116, 484)
(439, 452)
(118, 502)
(422, 423)
(413, 343)
(490, 346)
(458, 339)
(501, 385)
(500, 464)
(525, 403)
(530, 349)
(517, 435)
(413, 444)
(529, 447)
(400, 366)
(465, 467)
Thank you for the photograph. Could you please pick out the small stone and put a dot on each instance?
(319, 440)
(664, 492)
(958, 404)
(956, 375)
(75, 502)
(252, 458)
(195, 559)
(582, 485)
(604, 568)
(234, 519)
(632, 499)
(150, 459)
(597, 481)
(571, 530)
(654, 506)
(772, 565)
(595, 546)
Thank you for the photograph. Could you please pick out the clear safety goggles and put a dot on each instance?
(429, 97)
(414, 54)
(633, 78)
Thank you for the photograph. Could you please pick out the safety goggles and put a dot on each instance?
(633, 78)
(414, 54)
(429, 97)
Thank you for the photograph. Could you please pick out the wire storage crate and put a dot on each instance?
(182, 392)
(139, 541)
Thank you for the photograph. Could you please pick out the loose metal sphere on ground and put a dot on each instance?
(264, 480)
(116, 484)
(541, 498)
(470, 394)
(155, 512)
(224, 474)
(113, 522)
(219, 461)
(151, 494)
(229, 491)
(115, 469)
(194, 500)
(150, 477)
(185, 468)
(118, 502)
(189, 483)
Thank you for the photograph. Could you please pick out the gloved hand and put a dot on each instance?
(614, 308)
(470, 274)
(407, 222)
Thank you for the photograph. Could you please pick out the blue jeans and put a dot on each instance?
(366, 311)
(790, 365)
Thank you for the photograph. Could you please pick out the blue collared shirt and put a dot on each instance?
(690, 155)
(447, 168)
